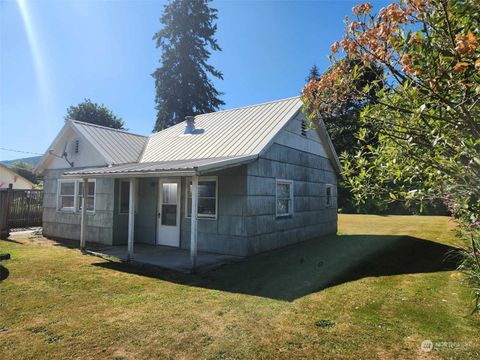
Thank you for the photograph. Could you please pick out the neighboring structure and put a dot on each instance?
(8, 176)
(257, 177)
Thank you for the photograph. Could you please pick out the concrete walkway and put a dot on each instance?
(166, 257)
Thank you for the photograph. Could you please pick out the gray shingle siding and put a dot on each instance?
(66, 225)
(226, 234)
(311, 218)
(246, 221)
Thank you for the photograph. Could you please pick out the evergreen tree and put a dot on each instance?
(182, 84)
(314, 74)
(343, 122)
(90, 112)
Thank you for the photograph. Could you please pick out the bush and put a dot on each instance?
(470, 267)
(379, 206)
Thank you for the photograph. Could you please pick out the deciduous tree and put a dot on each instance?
(93, 113)
(427, 113)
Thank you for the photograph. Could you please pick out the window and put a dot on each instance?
(90, 200)
(328, 195)
(69, 195)
(207, 198)
(124, 197)
(169, 204)
(304, 128)
(66, 195)
(284, 194)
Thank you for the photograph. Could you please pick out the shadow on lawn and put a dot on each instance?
(301, 269)
(4, 273)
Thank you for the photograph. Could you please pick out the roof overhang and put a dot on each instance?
(68, 126)
(175, 168)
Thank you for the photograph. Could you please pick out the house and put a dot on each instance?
(8, 176)
(257, 178)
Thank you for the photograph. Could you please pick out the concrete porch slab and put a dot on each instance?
(166, 257)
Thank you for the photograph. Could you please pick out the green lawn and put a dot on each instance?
(377, 290)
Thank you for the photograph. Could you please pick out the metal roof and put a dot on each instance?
(116, 146)
(221, 139)
(236, 132)
(175, 167)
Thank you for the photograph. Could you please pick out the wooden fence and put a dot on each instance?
(19, 209)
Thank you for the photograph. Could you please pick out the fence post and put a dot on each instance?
(4, 212)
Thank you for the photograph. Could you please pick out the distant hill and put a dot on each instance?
(33, 160)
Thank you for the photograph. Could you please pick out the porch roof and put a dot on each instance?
(168, 168)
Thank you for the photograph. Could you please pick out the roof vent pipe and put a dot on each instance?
(189, 125)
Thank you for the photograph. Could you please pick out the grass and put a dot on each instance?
(377, 290)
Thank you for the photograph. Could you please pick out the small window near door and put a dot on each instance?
(169, 204)
(284, 194)
(124, 198)
(328, 195)
(207, 198)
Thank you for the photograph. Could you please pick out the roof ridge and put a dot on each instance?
(106, 128)
(254, 105)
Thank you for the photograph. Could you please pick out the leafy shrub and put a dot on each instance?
(470, 267)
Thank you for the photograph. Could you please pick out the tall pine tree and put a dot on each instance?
(182, 84)
(314, 74)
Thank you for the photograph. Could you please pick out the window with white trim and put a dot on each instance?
(328, 195)
(66, 195)
(90, 199)
(207, 198)
(69, 195)
(124, 196)
(284, 197)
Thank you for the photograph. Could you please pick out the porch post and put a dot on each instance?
(83, 220)
(193, 227)
(131, 217)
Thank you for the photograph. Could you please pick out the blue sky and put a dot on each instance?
(53, 54)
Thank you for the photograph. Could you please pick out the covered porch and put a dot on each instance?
(166, 257)
(167, 212)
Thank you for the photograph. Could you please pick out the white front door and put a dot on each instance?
(168, 217)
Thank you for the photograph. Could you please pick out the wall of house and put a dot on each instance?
(303, 160)
(146, 214)
(247, 222)
(66, 225)
(87, 155)
(120, 221)
(311, 218)
(8, 177)
(226, 234)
